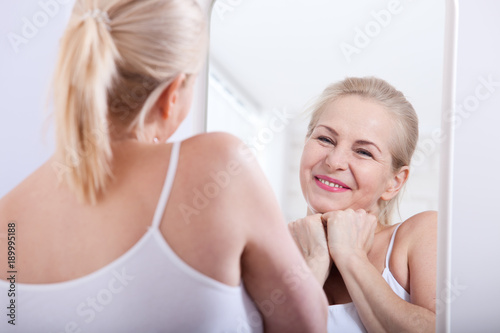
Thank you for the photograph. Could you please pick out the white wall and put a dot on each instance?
(29, 32)
(474, 294)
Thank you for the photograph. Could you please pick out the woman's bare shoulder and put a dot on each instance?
(418, 227)
(219, 200)
(222, 168)
(415, 242)
(20, 197)
(19, 202)
(217, 147)
(211, 155)
(221, 177)
(417, 237)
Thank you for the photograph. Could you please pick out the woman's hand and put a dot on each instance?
(309, 235)
(349, 233)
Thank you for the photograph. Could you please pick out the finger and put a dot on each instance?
(349, 210)
(361, 211)
(324, 220)
(333, 215)
(320, 232)
(291, 228)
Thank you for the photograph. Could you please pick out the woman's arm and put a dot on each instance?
(379, 308)
(309, 235)
(273, 271)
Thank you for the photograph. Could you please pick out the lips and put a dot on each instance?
(330, 184)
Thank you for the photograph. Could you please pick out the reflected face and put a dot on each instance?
(346, 162)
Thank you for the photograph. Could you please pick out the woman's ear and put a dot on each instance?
(396, 183)
(170, 95)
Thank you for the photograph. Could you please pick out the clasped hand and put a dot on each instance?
(333, 237)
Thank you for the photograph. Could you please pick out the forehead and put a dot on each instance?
(358, 117)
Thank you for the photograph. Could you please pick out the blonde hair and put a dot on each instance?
(115, 59)
(405, 119)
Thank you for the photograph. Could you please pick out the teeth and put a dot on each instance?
(326, 182)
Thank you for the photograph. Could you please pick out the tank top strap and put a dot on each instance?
(389, 250)
(167, 186)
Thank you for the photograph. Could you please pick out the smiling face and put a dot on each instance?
(346, 162)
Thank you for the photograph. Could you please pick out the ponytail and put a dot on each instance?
(85, 70)
(111, 70)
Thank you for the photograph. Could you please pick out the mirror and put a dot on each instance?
(269, 58)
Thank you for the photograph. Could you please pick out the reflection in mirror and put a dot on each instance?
(270, 58)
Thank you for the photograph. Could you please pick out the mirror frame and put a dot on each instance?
(443, 313)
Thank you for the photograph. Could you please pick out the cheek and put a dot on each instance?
(312, 153)
(310, 157)
(307, 162)
(372, 180)
(304, 169)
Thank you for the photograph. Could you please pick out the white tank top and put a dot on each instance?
(344, 317)
(147, 289)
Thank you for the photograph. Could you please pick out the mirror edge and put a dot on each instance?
(443, 313)
(200, 104)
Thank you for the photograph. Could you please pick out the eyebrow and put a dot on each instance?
(361, 142)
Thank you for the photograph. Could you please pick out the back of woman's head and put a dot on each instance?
(115, 59)
(405, 120)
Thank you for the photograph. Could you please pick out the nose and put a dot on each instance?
(337, 158)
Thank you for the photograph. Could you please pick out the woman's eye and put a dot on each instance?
(364, 153)
(325, 139)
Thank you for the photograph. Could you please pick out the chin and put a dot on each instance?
(321, 208)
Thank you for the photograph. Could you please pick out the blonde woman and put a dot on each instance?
(120, 232)
(377, 276)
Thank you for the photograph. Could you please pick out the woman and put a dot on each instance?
(377, 276)
(120, 232)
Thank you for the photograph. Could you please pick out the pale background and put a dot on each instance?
(474, 291)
